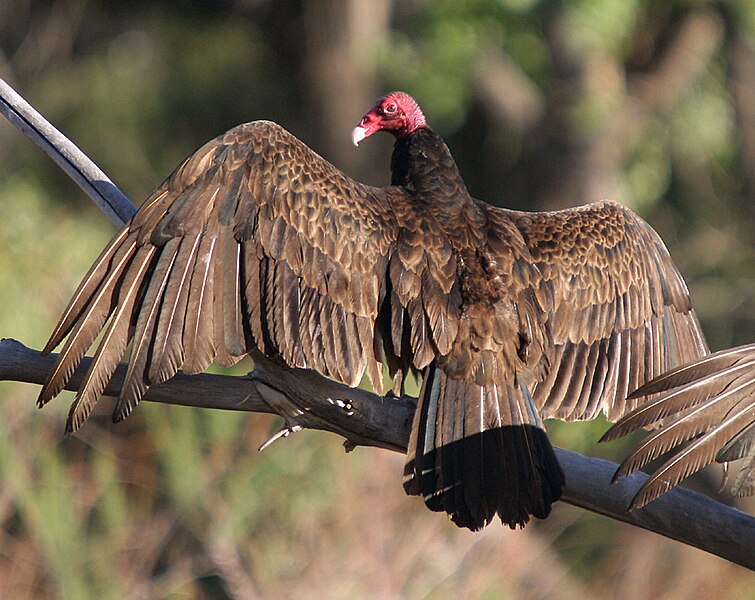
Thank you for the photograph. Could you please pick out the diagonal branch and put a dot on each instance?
(308, 400)
(88, 176)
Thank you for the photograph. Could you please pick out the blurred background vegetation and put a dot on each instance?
(544, 105)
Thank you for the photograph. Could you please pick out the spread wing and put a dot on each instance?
(621, 311)
(256, 241)
(706, 409)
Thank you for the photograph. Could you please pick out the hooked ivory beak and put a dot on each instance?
(358, 134)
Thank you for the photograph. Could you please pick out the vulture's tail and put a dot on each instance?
(479, 451)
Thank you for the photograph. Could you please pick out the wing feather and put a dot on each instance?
(114, 343)
(233, 326)
(84, 292)
(706, 409)
(692, 456)
(137, 380)
(168, 351)
(92, 316)
(220, 304)
(198, 340)
(608, 273)
(254, 240)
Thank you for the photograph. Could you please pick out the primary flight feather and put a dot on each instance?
(705, 411)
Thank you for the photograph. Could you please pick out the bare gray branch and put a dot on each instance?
(88, 176)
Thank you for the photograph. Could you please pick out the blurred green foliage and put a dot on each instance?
(544, 104)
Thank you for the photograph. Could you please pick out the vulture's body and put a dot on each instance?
(255, 241)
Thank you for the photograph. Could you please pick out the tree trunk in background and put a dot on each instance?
(341, 37)
(742, 82)
(571, 152)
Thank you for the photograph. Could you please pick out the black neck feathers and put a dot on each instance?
(422, 164)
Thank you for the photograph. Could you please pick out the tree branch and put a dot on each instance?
(305, 399)
(88, 176)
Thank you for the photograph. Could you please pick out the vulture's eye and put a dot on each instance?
(390, 109)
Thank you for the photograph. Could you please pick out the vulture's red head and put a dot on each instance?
(397, 113)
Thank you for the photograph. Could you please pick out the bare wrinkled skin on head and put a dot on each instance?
(397, 113)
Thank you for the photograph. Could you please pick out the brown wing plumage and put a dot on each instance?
(706, 409)
(621, 312)
(255, 240)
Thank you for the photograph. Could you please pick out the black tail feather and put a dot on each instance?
(506, 469)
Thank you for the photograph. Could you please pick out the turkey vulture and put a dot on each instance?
(256, 242)
(708, 408)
